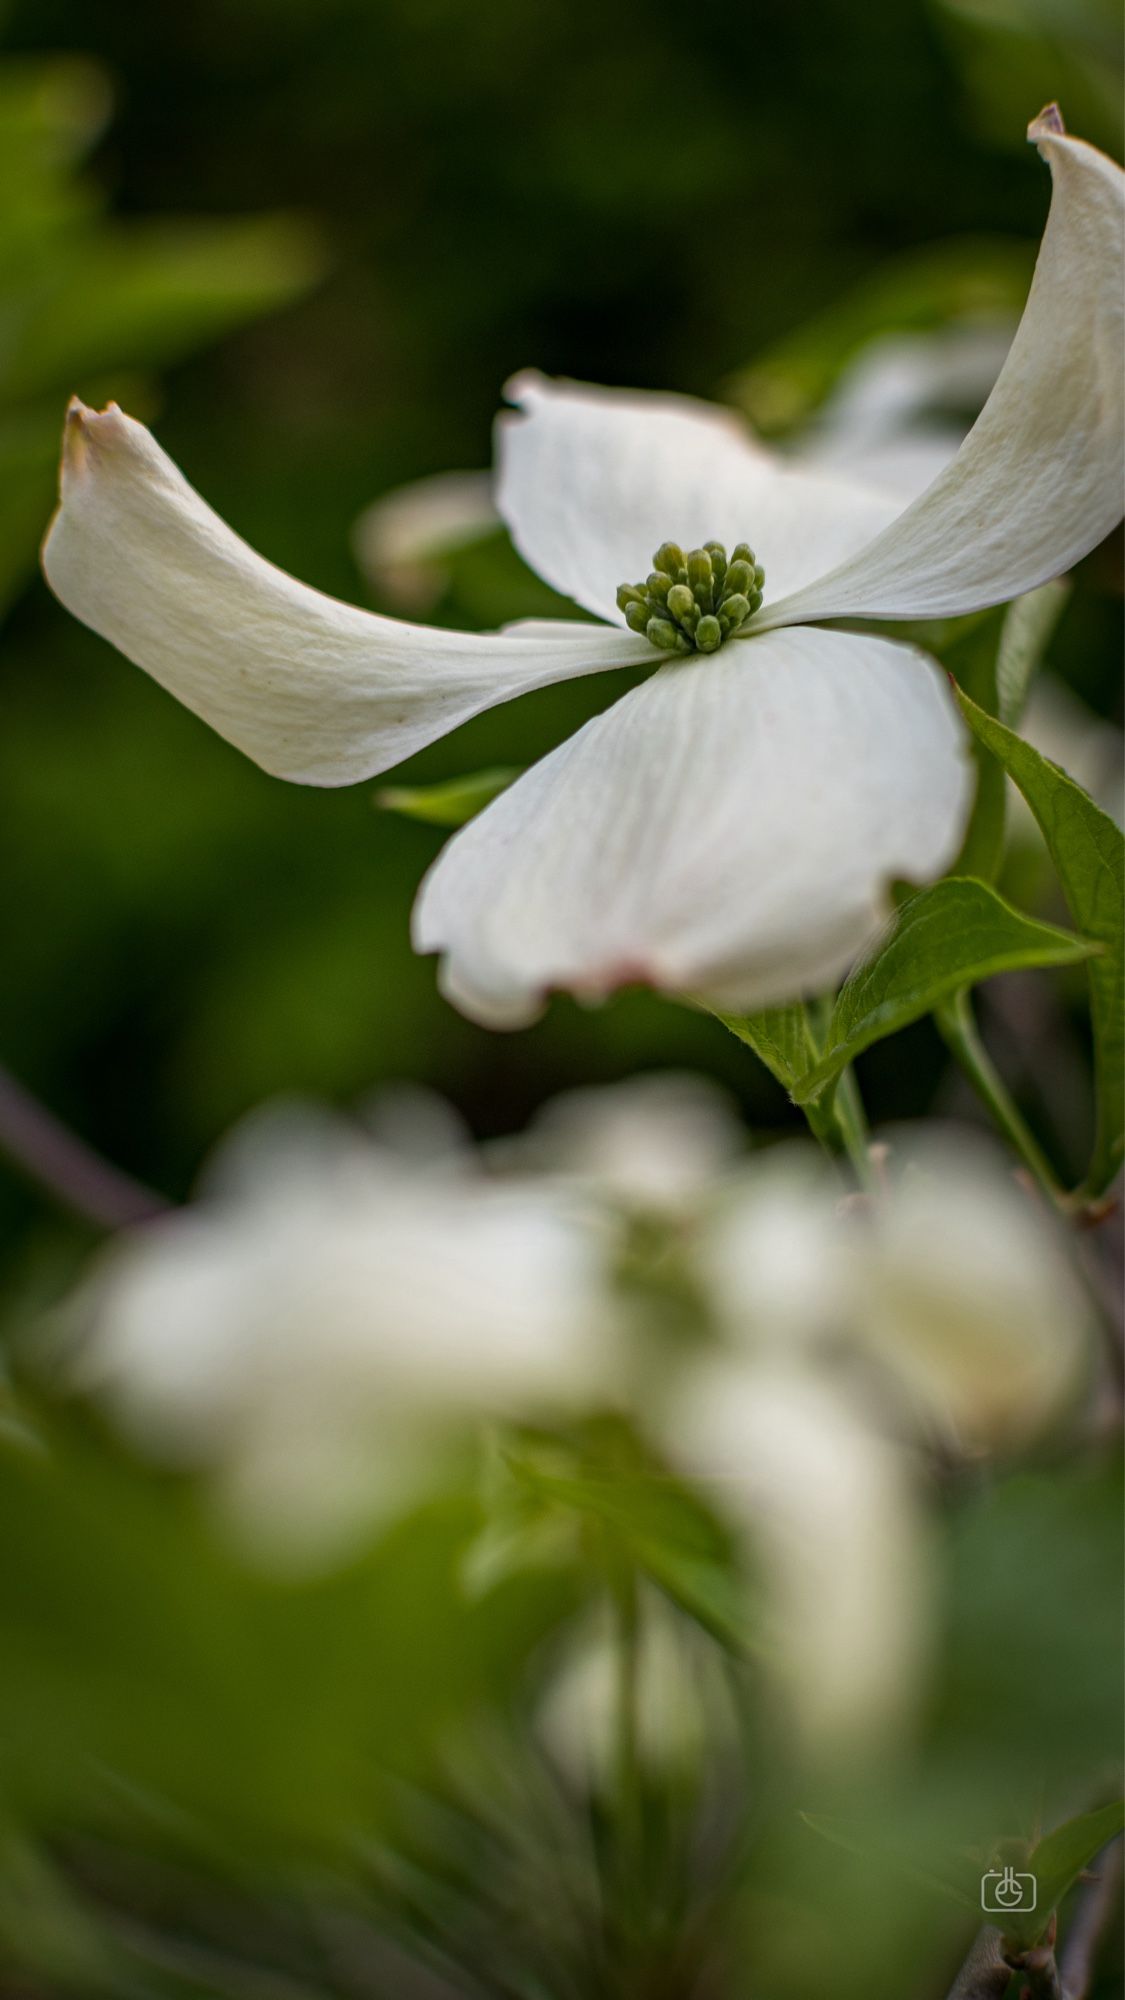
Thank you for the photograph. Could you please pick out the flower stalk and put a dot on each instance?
(959, 1031)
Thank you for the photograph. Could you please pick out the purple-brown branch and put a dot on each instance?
(69, 1170)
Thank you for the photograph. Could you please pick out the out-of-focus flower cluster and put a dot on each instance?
(346, 1307)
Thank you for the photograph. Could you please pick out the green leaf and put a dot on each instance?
(1058, 1861)
(787, 1041)
(782, 1038)
(452, 803)
(1089, 853)
(941, 940)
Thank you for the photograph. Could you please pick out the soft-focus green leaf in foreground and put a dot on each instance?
(949, 1876)
(452, 803)
(944, 939)
(1088, 851)
(146, 1656)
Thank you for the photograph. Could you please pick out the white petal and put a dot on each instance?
(829, 1508)
(726, 831)
(970, 1295)
(311, 689)
(591, 481)
(1038, 481)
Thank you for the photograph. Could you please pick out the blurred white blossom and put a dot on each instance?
(328, 1312)
(684, 1708)
(403, 541)
(339, 1313)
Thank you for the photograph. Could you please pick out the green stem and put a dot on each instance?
(630, 1796)
(838, 1118)
(958, 1030)
(851, 1122)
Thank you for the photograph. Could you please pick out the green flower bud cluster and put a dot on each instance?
(691, 603)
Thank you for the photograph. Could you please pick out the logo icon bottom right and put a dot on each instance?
(1004, 1891)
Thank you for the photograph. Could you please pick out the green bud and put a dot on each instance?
(701, 577)
(682, 606)
(733, 611)
(718, 556)
(663, 634)
(669, 557)
(692, 603)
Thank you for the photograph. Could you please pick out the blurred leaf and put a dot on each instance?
(1027, 631)
(656, 1524)
(152, 294)
(1059, 1859)
(1029, 1680)
(860, 1837)
(943, 939)
(84, 298)
(927, 288)
(142, 1655)
(1089, 853)
(452, 803)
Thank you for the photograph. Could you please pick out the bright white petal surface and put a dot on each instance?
(1038, 481)
(311, 689)
(591, 481)
(726, 832)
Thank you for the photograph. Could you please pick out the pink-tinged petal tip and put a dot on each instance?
(85, 429)
(1048, 125)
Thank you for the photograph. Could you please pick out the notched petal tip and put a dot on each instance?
(1048, 125)
(85, 431)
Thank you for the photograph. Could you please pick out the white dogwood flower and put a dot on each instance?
(727, 830)
(331, 1315)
